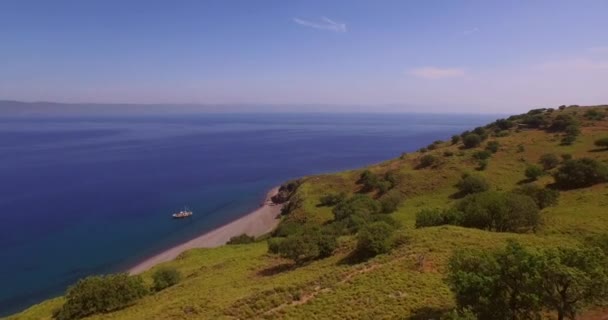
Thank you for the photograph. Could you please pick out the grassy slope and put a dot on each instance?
(245, 282)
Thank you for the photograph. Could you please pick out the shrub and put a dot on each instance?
(274, 244)
(390, 202)
(332, 199)
(516, 283)
(563, 121)
(566, 157)
(287, 227)
(520, 148)
(482, 155)
(594, 115)
(427, 160)
(241, 239)
(165, 278)
(602, 143)
(437, 217)
(299, 248)
(501, 212)
(543, 197)
(492, 146)
(374, 239)
(482, 164)
(533, 172)
(471, 140)
(549, 161)
(562, 107)
(470, 184)
(534, 121)
(455, 139)
(496, 285)
(356, 205)
(580, 173)
(101, 294)
(504, 124)
(422, 150)
(371, 181)
(448, 153)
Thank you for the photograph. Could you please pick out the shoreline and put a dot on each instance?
(255, 223)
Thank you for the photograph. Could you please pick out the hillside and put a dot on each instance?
(246, 281)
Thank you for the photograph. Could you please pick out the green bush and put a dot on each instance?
(482, 155)
(549, 161)
(448, 153)
(165, 277)
(374, 239)
(471, 140)
(332, 199)
(543, 197)
(356, 205)
(533, 172)
(313, 243)
(482, 164)
(563, 121)
(372, 181)
(390, 202)
(299, 247)
(241, 239)
(580, 173)
(437, 217)
(594, 115)
(602, 143)
(101, 294)
(455, 139)
(274, 244)
(516, 283)
(504, 124)
(492, 146)
(427, 160)
(501, 212)
(470, 184)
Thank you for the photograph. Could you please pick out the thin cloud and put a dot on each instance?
(437, 73)
(324, 24)
(470, 31)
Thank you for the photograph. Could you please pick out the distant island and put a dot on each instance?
(504, 221)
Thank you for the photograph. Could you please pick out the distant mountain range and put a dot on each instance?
(43, 108)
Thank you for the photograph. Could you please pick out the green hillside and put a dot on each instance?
(245, 281)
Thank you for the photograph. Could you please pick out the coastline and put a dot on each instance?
(258, 222)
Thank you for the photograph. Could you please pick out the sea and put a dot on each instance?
(84, 195)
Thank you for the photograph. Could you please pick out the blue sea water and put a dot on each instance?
(91, 195)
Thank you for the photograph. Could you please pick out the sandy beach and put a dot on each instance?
(256, 223)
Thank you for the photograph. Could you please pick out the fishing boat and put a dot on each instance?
(182, 214)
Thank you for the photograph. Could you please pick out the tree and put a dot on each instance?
(374, 239)
(501, 212)
(470, 184)
(455, 139)
(543, 197)
(427, 160)
(497, 285)
(533, 172)
(482, 155)
(356, 205)
(572, 279)
(165, 277)
(580, 173)
(549, 161)
(471, 140)
(299, 247)
(563, 121)
(101, 294)
(390, 202)
(332, 199)
(602, 143)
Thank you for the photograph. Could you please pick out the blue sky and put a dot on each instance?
(479, 56)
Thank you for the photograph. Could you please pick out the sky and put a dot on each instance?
(438, 56)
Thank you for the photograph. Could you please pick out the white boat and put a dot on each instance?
(182, 214)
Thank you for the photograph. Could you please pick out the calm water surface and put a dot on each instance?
(81, 196)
